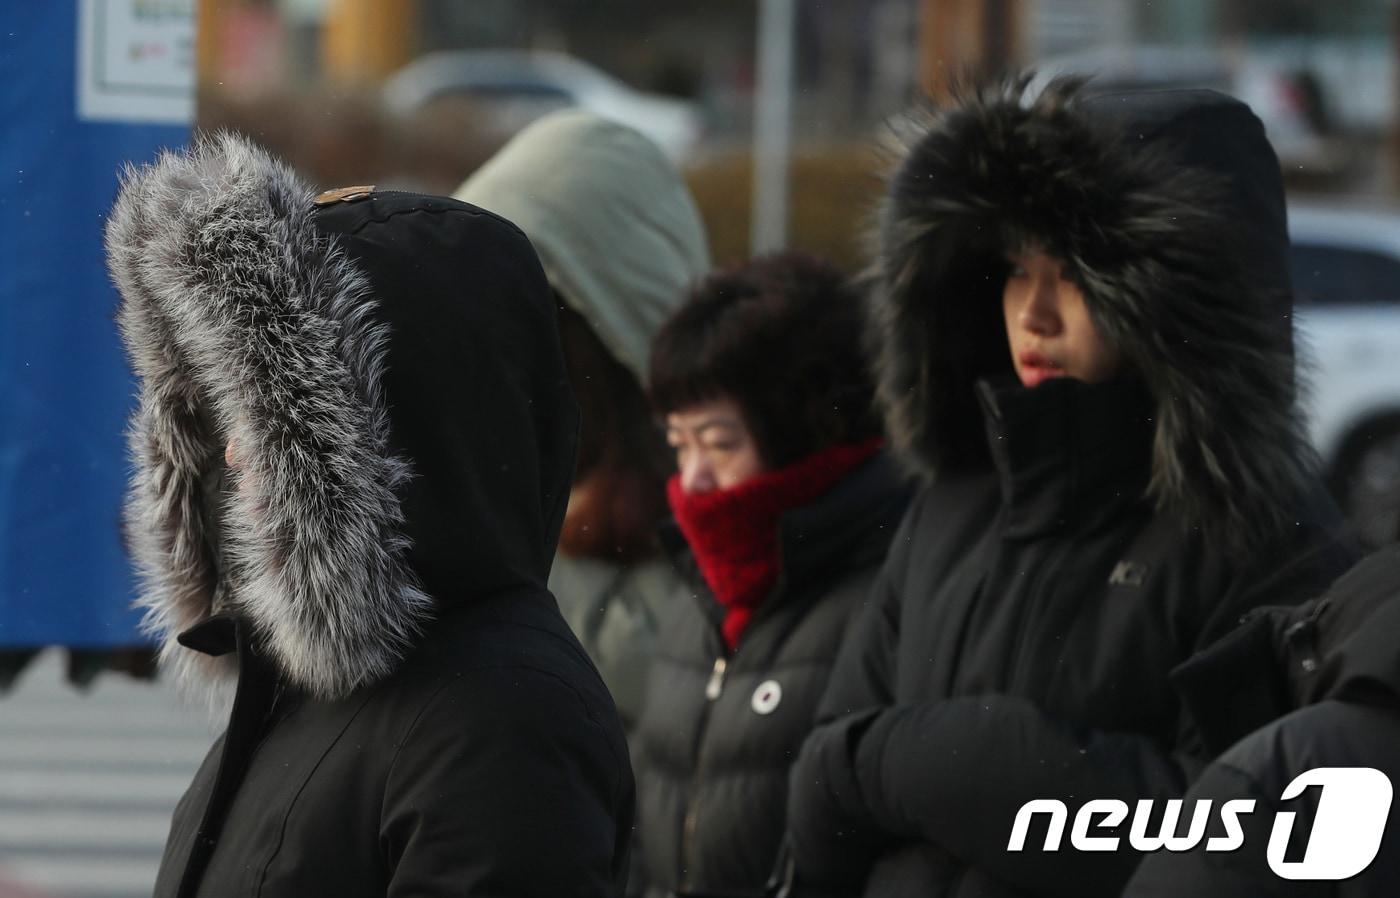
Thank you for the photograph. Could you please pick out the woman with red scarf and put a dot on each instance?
(784, 506)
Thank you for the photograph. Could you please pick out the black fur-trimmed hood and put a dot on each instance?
(361, 355)
(1169, 208)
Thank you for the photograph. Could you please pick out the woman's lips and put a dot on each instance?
(1036, 368)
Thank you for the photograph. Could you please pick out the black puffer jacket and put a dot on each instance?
(1337, 662)
(411, 716)
(1078, 541)
(719, 730)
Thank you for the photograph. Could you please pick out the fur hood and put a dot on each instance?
(1169, 209)
(325, 352)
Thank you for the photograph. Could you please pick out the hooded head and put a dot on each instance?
(616, 229)
(387, 369)
(1168, 210)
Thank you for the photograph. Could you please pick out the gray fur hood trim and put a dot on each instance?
(243, 322)
(1188, 279)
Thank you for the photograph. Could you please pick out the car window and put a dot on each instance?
(522, 90)
(1333, 275)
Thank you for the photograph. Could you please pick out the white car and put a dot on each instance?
(512, 88)
(1346, 280)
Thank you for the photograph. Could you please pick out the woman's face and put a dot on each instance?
(1048, 325)
(714, 448)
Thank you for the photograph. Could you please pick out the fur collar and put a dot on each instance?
(243, 322)
(1156, 244)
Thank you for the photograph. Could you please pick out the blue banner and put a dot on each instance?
(85, 86)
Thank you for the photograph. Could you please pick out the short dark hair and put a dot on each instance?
(782, 336)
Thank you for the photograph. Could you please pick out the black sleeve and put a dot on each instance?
(832, 839)
(956, 772)
(1344, 735)
(507, 786)
(863, 675)
(1223, 874)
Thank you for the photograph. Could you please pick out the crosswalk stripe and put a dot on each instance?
(89, 779)
(84, 828)
(99, 875)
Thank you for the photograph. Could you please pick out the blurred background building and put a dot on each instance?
(417, 93)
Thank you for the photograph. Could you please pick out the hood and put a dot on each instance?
(1168, 206)
(387, 367)
(615, 227)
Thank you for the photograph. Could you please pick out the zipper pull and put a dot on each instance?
(716, 684)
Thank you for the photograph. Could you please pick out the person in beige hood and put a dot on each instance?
(620, 239)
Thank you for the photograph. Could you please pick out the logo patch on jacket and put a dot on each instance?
(1128, 573)
(344, 194)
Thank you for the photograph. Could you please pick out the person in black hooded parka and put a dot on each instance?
(1085, 345)
(353, 448)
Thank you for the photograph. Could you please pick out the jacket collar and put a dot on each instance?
(216, 635)
(849, 527)
(1066, 452)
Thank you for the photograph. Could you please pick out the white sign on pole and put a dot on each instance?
(772, 125)
(136, 60)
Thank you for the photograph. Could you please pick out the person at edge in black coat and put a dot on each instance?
(785, 504)
(1085, 346)
(1329, 672)
(353, 449)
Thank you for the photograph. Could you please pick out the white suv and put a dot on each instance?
(1346, 279)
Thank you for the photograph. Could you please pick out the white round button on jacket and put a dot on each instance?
(766, 697)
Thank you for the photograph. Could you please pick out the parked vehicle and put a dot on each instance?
(511, 88)
(1346, 277)
(1289, 102)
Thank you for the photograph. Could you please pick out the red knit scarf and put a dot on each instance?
(733, 533)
